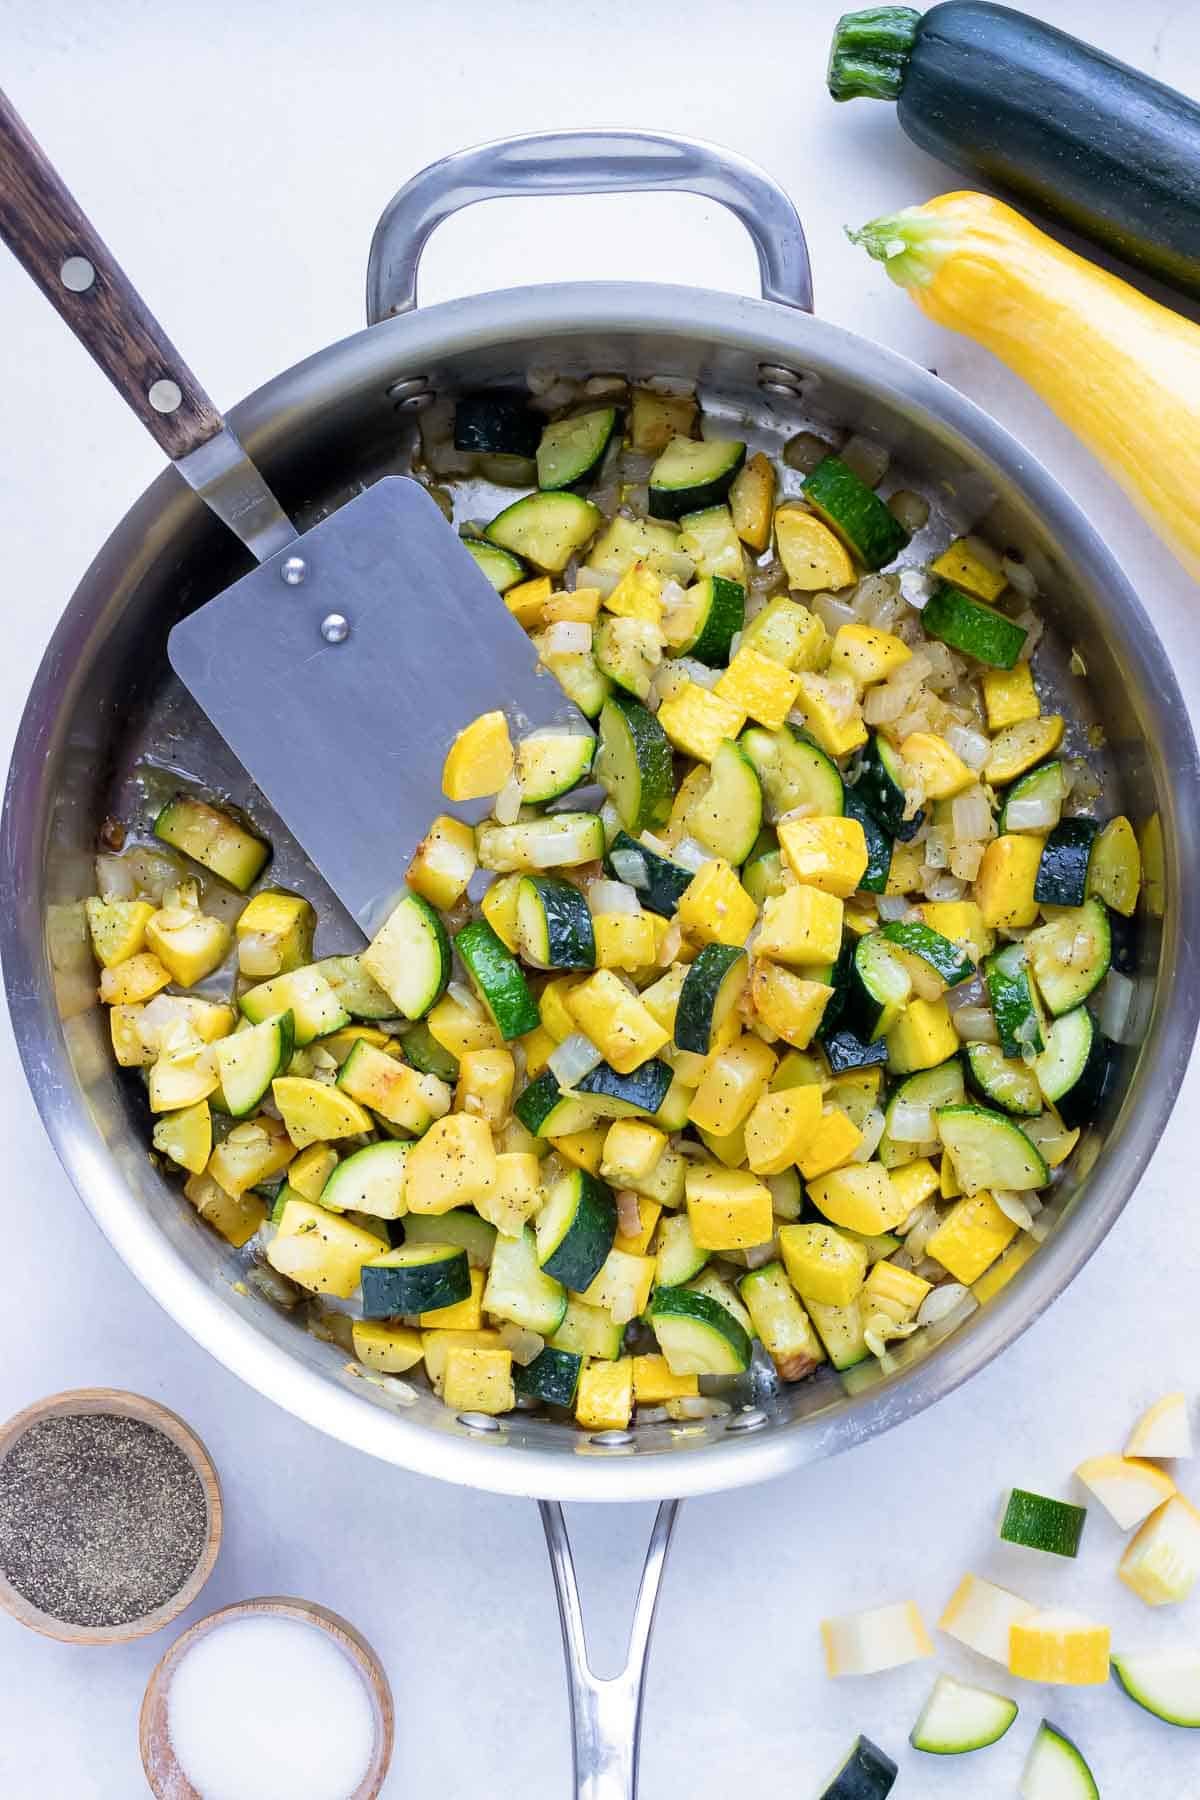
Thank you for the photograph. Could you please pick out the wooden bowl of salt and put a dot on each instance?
(230, 1708)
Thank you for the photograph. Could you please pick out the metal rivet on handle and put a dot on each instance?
(778, 378)
(77, 274)
(416, 402)
(335, 628)
(293, 569)
(751, 1419)
(478, 1421)
(165, 396)
(412, 384)
(611, 1440)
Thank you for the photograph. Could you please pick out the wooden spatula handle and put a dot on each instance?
(49, 235)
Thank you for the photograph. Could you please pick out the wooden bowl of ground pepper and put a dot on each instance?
(110, 1516)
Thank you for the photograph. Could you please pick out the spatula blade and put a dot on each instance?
(347, 739)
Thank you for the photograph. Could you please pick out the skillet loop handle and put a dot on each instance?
(606, 1714)
(50, 236)
(586, 162)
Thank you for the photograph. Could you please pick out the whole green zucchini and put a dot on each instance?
(1040, 115)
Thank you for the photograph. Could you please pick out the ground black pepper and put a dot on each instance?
(102, 1518)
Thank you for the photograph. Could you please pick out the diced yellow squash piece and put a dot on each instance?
(235, 1217)
(604, 1401)
(480, 760)
(181, 1078)
(527, 600)
(822, 1264)
(971, 1237)
(790, 1006)
(698, 721)
(1018, 747)
(398, 1093)
(136, 979)
(715, 908)
(340, 1043)
(638, 595)
(1128, 1488)
(1162, 1563)
(949, 1186)
(1115, 871)
(812, 557)
(437, 1345)
(129, 1047)
(186, 1136)
(654, 419)
(275, 934)
(833, 1142)
(729, 1209)
(631, 1149)
(463, 1315)
(478, 1381)
(866, 654)
(893, 1291)
(1005, 882)
(552, 1005)
(622, 1286)
(314, 1112)
(830, 709)
(826, 853)
(750, 500)
(781, 1323)
(780, 1127)
(485, 1084)
(916, 1181)
(624, 940)
(583, 1149)
(117, 927)
(445, 861)
(580, 606)
(1010, 696)
(1154, 868)
(622, 1029)
(981, 1616)
(188, 943)
(905, 872)
(454, 1164)
(962, 922)
(922, 1037)
(459, 1028)
(729, 1147)
(801, 925)
(1062, 1649)
(308, 1172)
(320, 1250)
(973, 565)
(759, 687)
(885, 1637)
(935, 766)
(789, 633)
(732, 1082)
(1002, 1271)
(389, 1349)
(514, 1193)
(1164, 1429)
(539, 1047)
(664, 1183)
(859, 1197)
(653, 1381)
(637, 1244)
(499, 907)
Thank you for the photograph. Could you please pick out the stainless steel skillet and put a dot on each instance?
(105, 722)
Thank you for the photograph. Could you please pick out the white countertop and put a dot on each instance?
(237, 159)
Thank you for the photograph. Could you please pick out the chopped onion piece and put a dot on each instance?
(631, 867)
(832, 612)
(524, 1345)
(967, 993)
(1020, 576)
(976, 1024)
(691, 855)
(574, 1058)
(965, 860)
(892, 907)
(464, 997)
(699, 672)
(697, 1406)
(115, 878)
(1037, 813)
(943, 1301)
(872, 1131)
(506, 808)
(971, 746)
(1013, 1206)
(567, 637)
(911, 1124)
(613, 896)
(600, 579)
(1116, 1007)
(945, 887)
(916, 586)
(629, 1218)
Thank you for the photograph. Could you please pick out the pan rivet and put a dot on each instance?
(293, 569)
(335, 628)
(77, 274)
(413, 384)
(416, 402)
(777, 378)
(749, 1420)
(611, 1440)
(165, 396)
(478, 1421)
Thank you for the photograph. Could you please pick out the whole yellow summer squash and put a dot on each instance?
(1122, 371)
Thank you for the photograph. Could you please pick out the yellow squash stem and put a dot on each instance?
(1122, 371)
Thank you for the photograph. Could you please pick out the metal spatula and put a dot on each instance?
(339, 670)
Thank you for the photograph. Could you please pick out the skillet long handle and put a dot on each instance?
(49, 235)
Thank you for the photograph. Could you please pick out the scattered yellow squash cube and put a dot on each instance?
(624, 940)
(812, 557)
(1061, 1648)
(801, 925)
(631, 1149)
(760, 687)
(315, 1113)
(638, 1243)
(980, 1615)
(859, 1197)
(826, 853)
(485, 1084)
(583, 1149)
(780, 1127)
(539, 1047)
(1010, 696)
(622, 1287)
(971, 1237)
(893, 1291)
(1164, 1429)
(188, 943)
(499, 907)
(117, 927)
(1018, 747)
(604, 1401)
(698, 721)
(624, 1031)
(833, 1142)
(236, 1219)
(1005, 882)
(750, 500)
(463, 1315)
(729, 1209)
(459, 1027)
(789, 1006)
(444, 863)
(638, 595)
(732, 1082)
(309, 1172)
(932, 763)
(514, 1193)
(1004, 1268)
(581, 606)
(962, 922)
(715, 908)
(949, 1186)
(552, 1005)
(916, 1181)
(320, 1250)
(905, 872)
(830, 709)
(1128, 1488)
(180, 1078)
(454, 1164)
(884, 1637)
(480, 760)
(922, 1037)
(789, 633)
(275, 932)
(136, 979)
(478, 1381)
(653, 1381)
(389, 1349)
(729, 1148)
(437, 1345)
(526, 601)
(973, 565)
(822, 1264)
(186, 1136)
(866, 654)
(1162, 1563)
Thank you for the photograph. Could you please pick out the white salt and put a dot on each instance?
(269, 1708)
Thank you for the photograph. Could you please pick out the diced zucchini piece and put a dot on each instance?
(693, 473)
(1062, 877)
(589, 1331)
(725, 813)
(518, 1289)
(945, 958)
(659, 882)
(868, 1773)
(718, 611)
(879, 988)
(501, 567)
(1013, 1003)
(572, 449)
(554, 924)
(550, 763)
(552, 1377)
(1009, 1084)
(613, 1095)
(409, 957)
(1034, 803)
(575, 1229)
(634, 764)
(958, 1718)
(697, 1335)
(880, 787)
(497, 975)
(462, 1226)
(496, 423)
(214, 839)
(711, 990)
(973, 628)
(305, 993)
(416, 1278)
(370, 1181)
(1040, 1523)
(360, 995)
(1055, 1769)
(546, 529)
(794, 773)
(248, 1062)
(990, 1150)
(855, 512)
(1071, 955)
(1164, 1682)
(560, 840)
